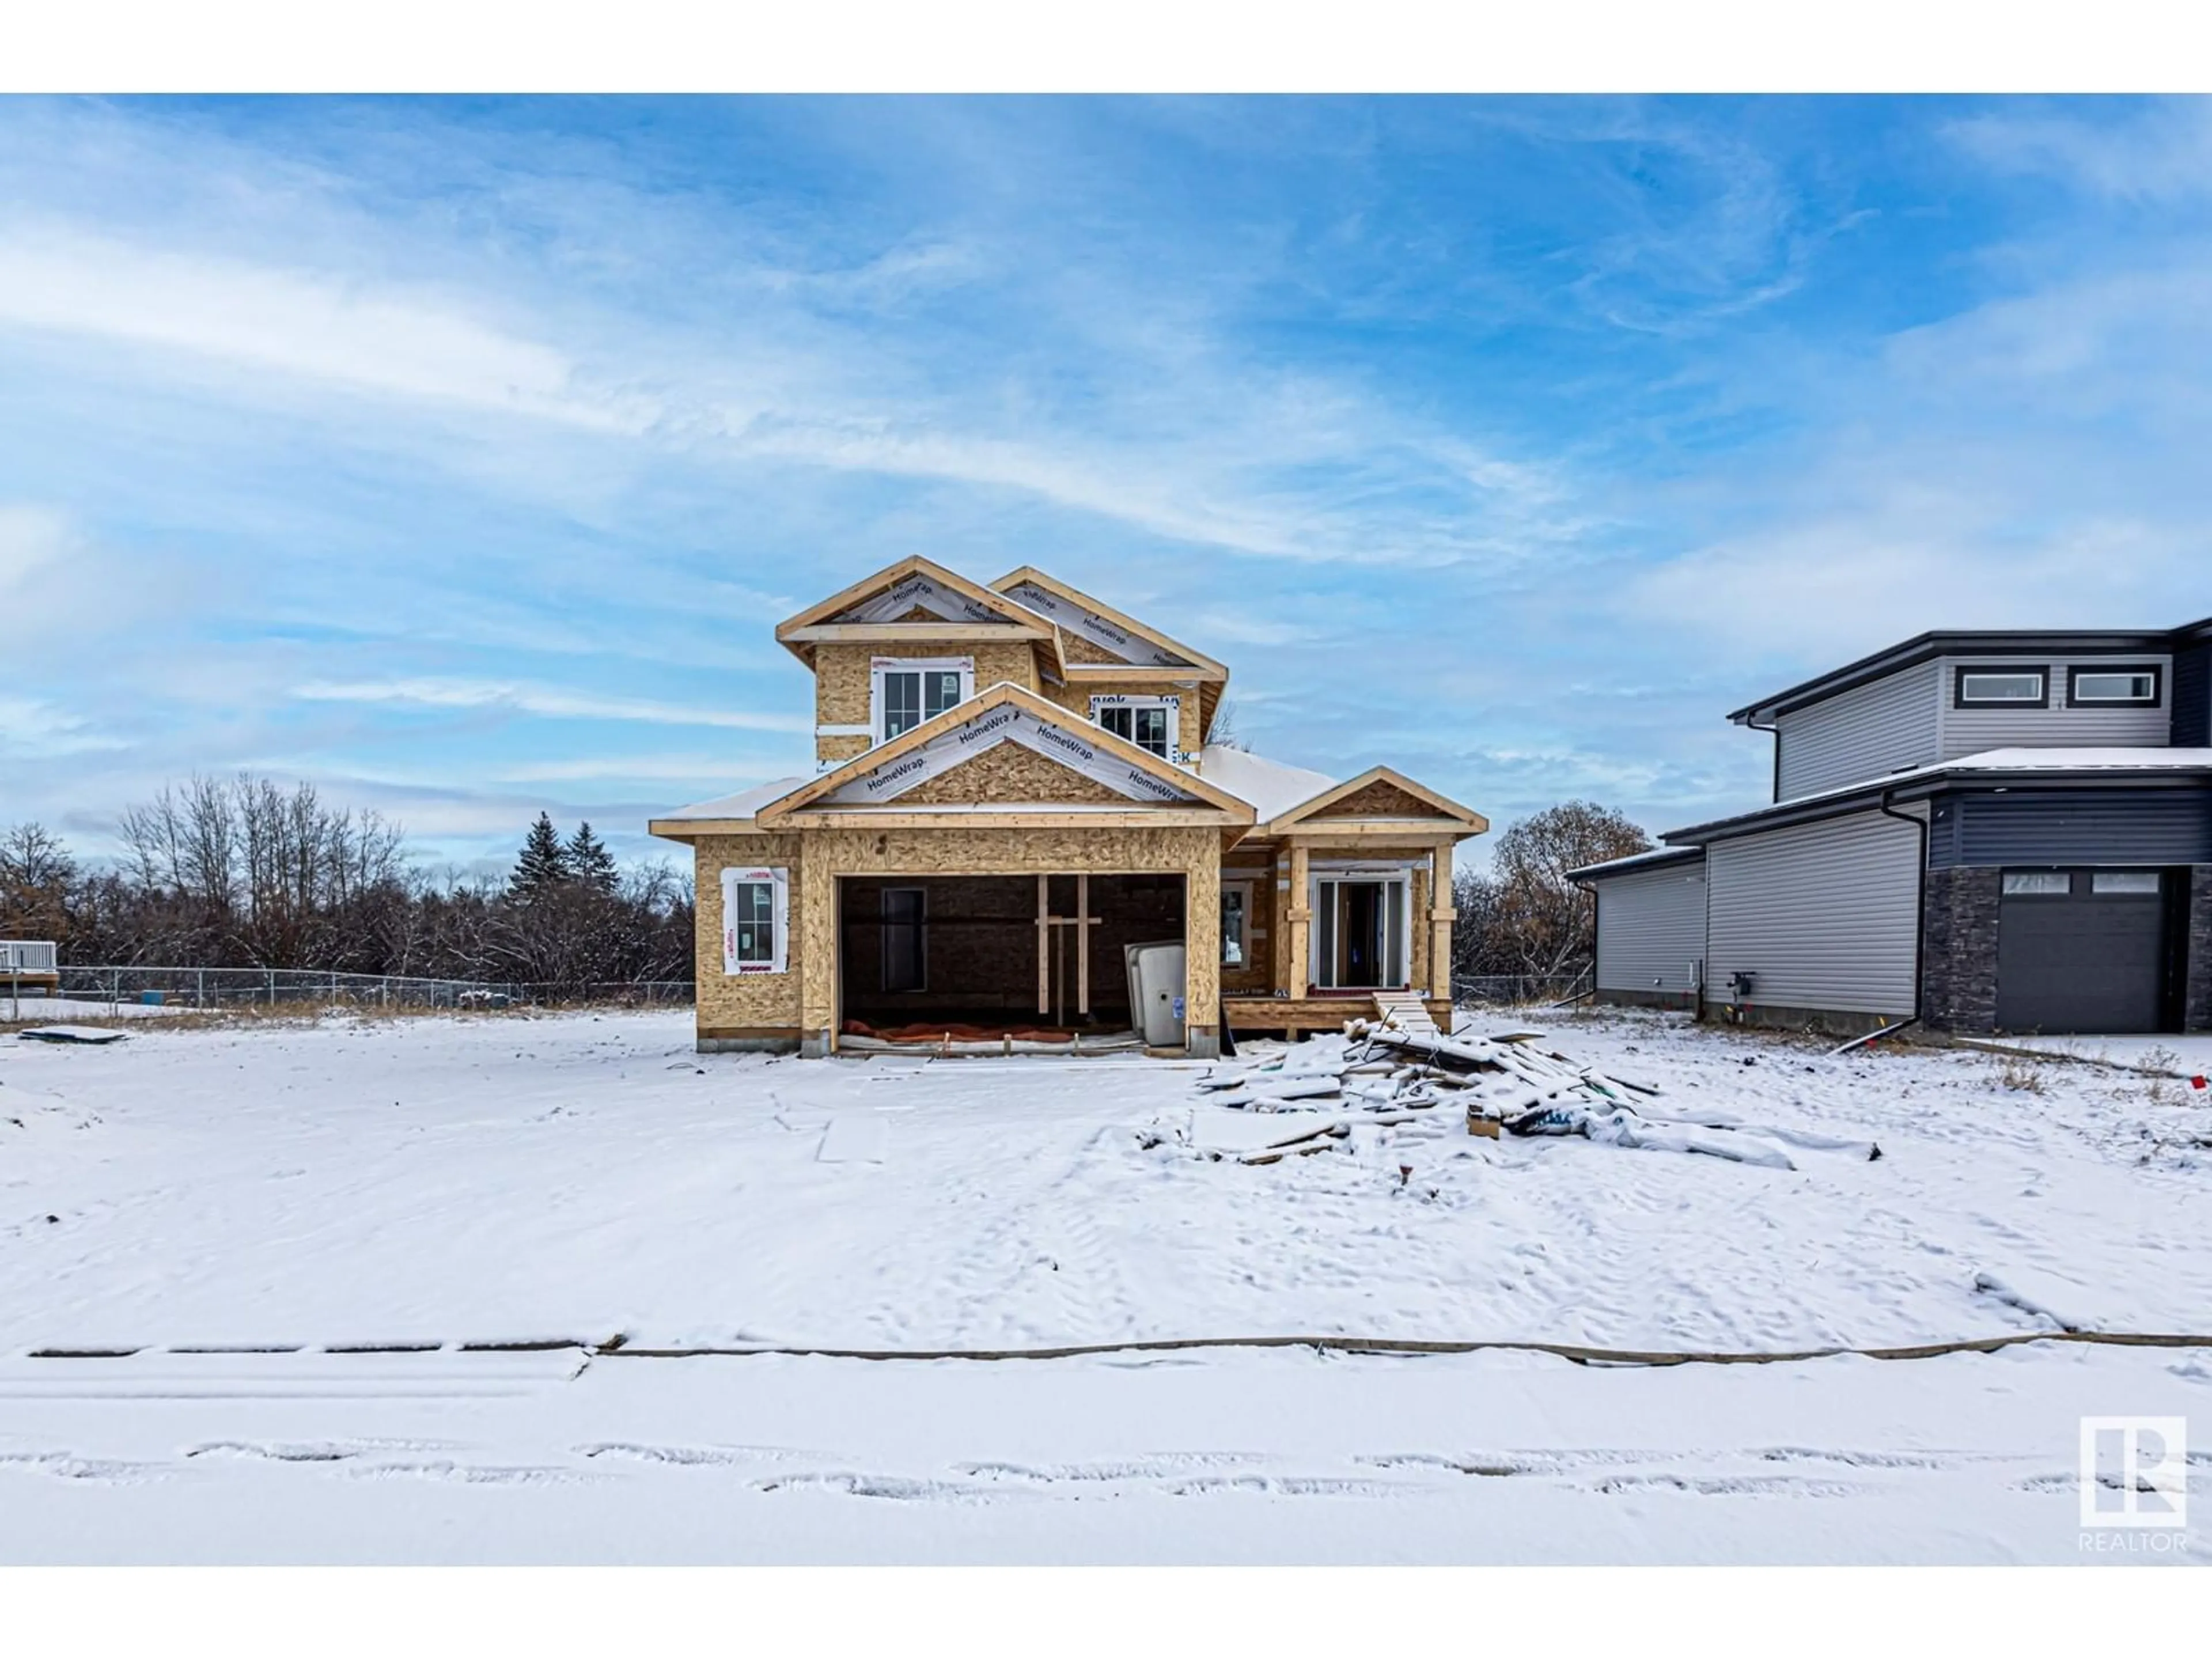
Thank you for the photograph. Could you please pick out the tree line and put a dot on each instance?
(242, 872)
(1523, 916)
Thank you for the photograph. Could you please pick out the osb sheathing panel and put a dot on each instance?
(838, 751)
(842, 671)
(841, 684)
(1081, 649)
(1076, 694)
(1193, 852)
(1009, 772)
(748, 1001)
(1379, 799)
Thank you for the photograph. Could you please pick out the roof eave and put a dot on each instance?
(1922, 786)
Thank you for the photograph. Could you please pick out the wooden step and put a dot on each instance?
(1408, 1010)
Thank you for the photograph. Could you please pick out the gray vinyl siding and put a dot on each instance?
(1651, 929)
(2139, 827)
(2192, 698)
(1970, 730)
(1826, 915)
(1884, 726)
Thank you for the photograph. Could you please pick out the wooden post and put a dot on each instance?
(1083, 945)
(1044, 935)
(1301, 919)
(1442, 915)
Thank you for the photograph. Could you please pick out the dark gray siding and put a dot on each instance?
(1826, 915)
(2192, 698)
(1970, 730)
(1884, 726)
(1651, 928)
(2072, 826)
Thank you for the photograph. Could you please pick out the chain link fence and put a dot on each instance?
(272, 987)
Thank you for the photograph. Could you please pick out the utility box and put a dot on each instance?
(1156, 991)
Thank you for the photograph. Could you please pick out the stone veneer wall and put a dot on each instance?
(2196, 999)
(1958, 949)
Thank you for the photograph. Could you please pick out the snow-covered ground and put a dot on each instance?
(447, 1181)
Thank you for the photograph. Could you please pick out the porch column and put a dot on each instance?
(1442, 915)
(814, 947)
(1300, 916)
(1201, 933)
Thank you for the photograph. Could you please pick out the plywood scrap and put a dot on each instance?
(70, 1034)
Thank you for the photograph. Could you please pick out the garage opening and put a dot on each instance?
(2087, 951)
(988, 956)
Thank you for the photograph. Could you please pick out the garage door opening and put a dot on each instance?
(2087, 951)
(989, 956)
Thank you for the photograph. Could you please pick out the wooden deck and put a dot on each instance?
(1305, 1016)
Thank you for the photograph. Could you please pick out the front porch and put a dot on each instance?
(1318, 1011)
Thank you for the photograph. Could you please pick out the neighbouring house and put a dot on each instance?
(1013, 787)
(1993, 831)
(30, 965)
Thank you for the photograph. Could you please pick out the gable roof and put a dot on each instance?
(874, 608)
(1318, 806)
(1136, 644)
(1004, 714)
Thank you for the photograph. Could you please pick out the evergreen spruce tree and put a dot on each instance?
(589, 861)
(544, 864)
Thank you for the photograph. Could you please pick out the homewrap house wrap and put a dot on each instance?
(1990, 831)
(1014, 787)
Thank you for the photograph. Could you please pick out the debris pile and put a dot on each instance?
(1380, 1074)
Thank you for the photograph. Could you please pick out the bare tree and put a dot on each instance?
(1524, 915)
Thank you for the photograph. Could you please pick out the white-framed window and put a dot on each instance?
(1153, 724)
(2107, 687)
(904, 691)
(1236, 924)
(2037, 883)
(2002, 687)
(756, 920)
(2124, 881)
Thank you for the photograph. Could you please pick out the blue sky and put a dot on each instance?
(459, 456)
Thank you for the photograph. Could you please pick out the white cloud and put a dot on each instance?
(309, 325)
(548, 702)
(2160, 152)
(33, 729)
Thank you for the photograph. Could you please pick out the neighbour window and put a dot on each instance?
(2002, 688)
(2034, 883)
(907, 693)
(2106, 686)
(1150, 723)
(1235, 912)
(2124, 881)
(755, 912)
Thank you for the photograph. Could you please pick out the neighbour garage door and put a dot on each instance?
(2082, 951)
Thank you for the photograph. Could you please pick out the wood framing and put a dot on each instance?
(1186, 785)
(1396, 791)
(1031, 772)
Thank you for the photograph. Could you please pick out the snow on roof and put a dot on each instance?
(742, 804)
(1270, 787)
(1621, 867)
(2035, 760)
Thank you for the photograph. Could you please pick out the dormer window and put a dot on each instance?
(905, 692)
(1148, 722)
(2004, 687)
(2127, 686)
